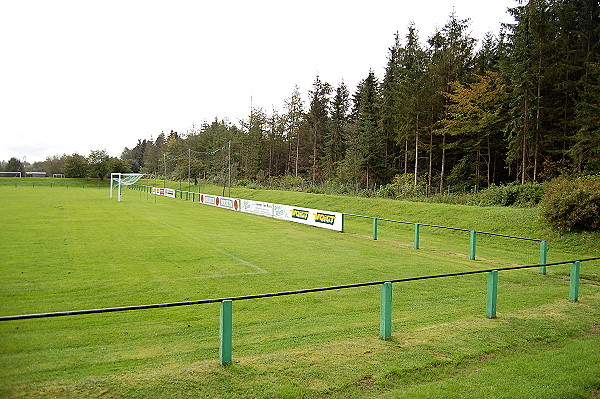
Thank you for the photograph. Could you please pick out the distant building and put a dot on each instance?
(36, 174)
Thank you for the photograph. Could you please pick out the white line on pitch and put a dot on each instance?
(245, 262)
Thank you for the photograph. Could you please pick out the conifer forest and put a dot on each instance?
(519, 105)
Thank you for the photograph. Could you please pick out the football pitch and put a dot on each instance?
(70, 249)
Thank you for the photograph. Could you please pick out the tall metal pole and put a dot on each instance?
(229, 161)
(189, 165)
(165, 178)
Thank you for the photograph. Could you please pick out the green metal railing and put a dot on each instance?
(385, 313)
(472, 236)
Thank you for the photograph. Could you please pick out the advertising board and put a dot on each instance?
(166, 192)
(309, 216)
(257, 207)
(221, 202)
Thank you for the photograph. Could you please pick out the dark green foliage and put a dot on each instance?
(75, 166)
(336, 137)
(523, 195)
(318, 122)
(99, 164)
(572, 204)
(14, 165)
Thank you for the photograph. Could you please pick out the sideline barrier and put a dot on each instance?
(472, 237)
(297, 214)
(385, 321)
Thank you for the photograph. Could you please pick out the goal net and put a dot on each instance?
(122, 179)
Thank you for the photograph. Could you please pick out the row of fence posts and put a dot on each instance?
(473, 243)
(385, 310)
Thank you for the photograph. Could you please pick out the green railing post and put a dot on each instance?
(473, 245)
(417, 228)
(225, 333)
(492, 295)
(374, 228)
(543, 256)
(343, 216)
(385, 312)
(574, 281)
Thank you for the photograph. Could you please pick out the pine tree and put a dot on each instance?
(391, 99)
(337, 135)
(368, 143)
(252, 144)
(318, 123)
(414, 95)
(294, 119)
(451, 60)
(586, 150)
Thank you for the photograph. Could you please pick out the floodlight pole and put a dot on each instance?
(229, 162)
(189, 165)
(165, 179)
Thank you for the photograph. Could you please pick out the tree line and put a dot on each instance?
(97, 164)
(522, 106)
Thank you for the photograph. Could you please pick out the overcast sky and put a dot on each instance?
(77, 76)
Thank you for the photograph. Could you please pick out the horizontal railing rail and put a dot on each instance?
(275, 294)
(385, 313)
(445, 227)
(472, 236)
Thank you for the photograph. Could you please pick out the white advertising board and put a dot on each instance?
(221, 202)
(228, 203)
(309, 216)
(208, 199)
(257, 207)
(167, 192)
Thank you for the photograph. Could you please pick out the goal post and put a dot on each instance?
(122, 179)
(10, 174)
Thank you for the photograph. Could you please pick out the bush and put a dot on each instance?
(387, 191)
(572, 204)
(242, 182)
(529, 194)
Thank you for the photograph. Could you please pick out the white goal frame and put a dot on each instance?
(123, 179)
(4, 173)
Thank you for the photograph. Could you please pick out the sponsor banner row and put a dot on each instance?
(166, 192)
(297, 214)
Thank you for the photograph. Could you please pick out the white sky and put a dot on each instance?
(85, 75)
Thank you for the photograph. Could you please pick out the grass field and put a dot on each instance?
(73, 248)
